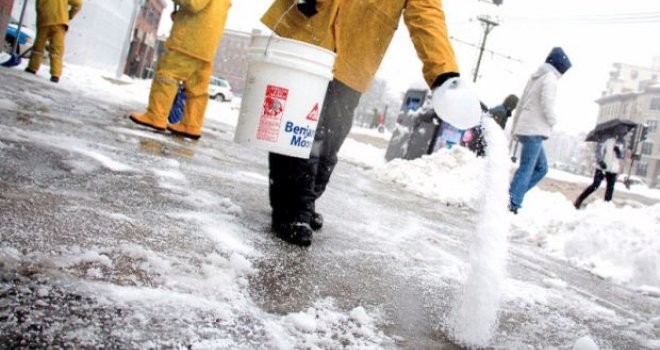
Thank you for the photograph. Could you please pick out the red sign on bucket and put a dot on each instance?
(271, 113)
(313, 115)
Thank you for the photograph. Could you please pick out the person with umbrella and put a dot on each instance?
(608, 165)
(610, 151)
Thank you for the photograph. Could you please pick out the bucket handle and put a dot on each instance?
(279, 20)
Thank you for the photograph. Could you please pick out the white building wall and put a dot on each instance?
(97, 35)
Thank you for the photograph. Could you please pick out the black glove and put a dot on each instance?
(602, 165)
(442, 78)
(307, 7)
(617, 152)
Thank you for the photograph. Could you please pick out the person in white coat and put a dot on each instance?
(533, 123)
(608, 165)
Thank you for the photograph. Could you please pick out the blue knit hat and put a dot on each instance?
(558, 59)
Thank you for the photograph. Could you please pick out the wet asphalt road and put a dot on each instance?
(54, 200)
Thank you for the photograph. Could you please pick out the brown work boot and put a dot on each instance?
(185, 131)
(146, 121)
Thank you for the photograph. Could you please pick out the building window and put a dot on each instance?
(634, 74)
(655, 104)
(652, 125)
(647, 148)
(642, 169)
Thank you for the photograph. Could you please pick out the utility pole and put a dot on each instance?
(488, 25)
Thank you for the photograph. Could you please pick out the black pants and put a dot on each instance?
(295, 183)
(610, 178)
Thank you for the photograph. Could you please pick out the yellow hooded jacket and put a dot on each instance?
(198, 27)
(56, 12)
(360, 31)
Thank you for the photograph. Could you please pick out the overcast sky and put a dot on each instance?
(594, 33)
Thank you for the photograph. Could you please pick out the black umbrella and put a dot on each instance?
(609, 129)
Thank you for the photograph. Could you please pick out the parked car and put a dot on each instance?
(219, 89)
(25, 41)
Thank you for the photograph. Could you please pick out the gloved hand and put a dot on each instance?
(456, 102)
(602, 165)
(307, 7)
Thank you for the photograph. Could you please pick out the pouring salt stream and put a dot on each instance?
(474, 315)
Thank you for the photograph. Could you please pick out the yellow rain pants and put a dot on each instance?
(53, 36)
(195, 74)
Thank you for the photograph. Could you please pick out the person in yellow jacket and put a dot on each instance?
(196, 32)
(359, 32)
(53, 18)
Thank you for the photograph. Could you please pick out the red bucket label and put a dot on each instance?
(313, 115)
(271, 113)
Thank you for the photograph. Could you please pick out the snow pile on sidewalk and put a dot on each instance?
(362, 154)
(452, 176)
(618, 243)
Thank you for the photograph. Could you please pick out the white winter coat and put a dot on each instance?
(535, 115)
(605, 152)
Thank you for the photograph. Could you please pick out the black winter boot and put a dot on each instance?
(298, 233)
(317, 221)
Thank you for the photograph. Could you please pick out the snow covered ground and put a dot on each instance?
(618, 243)
(116, 236)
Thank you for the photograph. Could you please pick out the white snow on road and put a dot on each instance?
(622, 244)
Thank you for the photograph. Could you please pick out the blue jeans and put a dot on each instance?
(533, 167)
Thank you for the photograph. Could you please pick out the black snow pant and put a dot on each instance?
(296, 183)
(599, 175)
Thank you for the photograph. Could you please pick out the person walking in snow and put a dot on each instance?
(197, 28)
(533, 123)
(608, 165)
(53, 18)
(502, 113)
(359, 32)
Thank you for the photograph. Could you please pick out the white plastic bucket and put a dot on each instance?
(282, 100)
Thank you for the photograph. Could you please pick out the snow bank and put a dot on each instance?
(618, 243)
(386, 135)
(452, 176)
(359, 153)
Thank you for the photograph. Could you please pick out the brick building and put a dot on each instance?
(231, 58)
(5, 15)
(142, 56)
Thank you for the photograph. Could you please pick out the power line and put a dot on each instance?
(627, 18)
(494, 53)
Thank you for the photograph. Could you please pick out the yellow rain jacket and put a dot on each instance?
(360, 31)
(198, 27)
(56, 12)
(320, 30)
